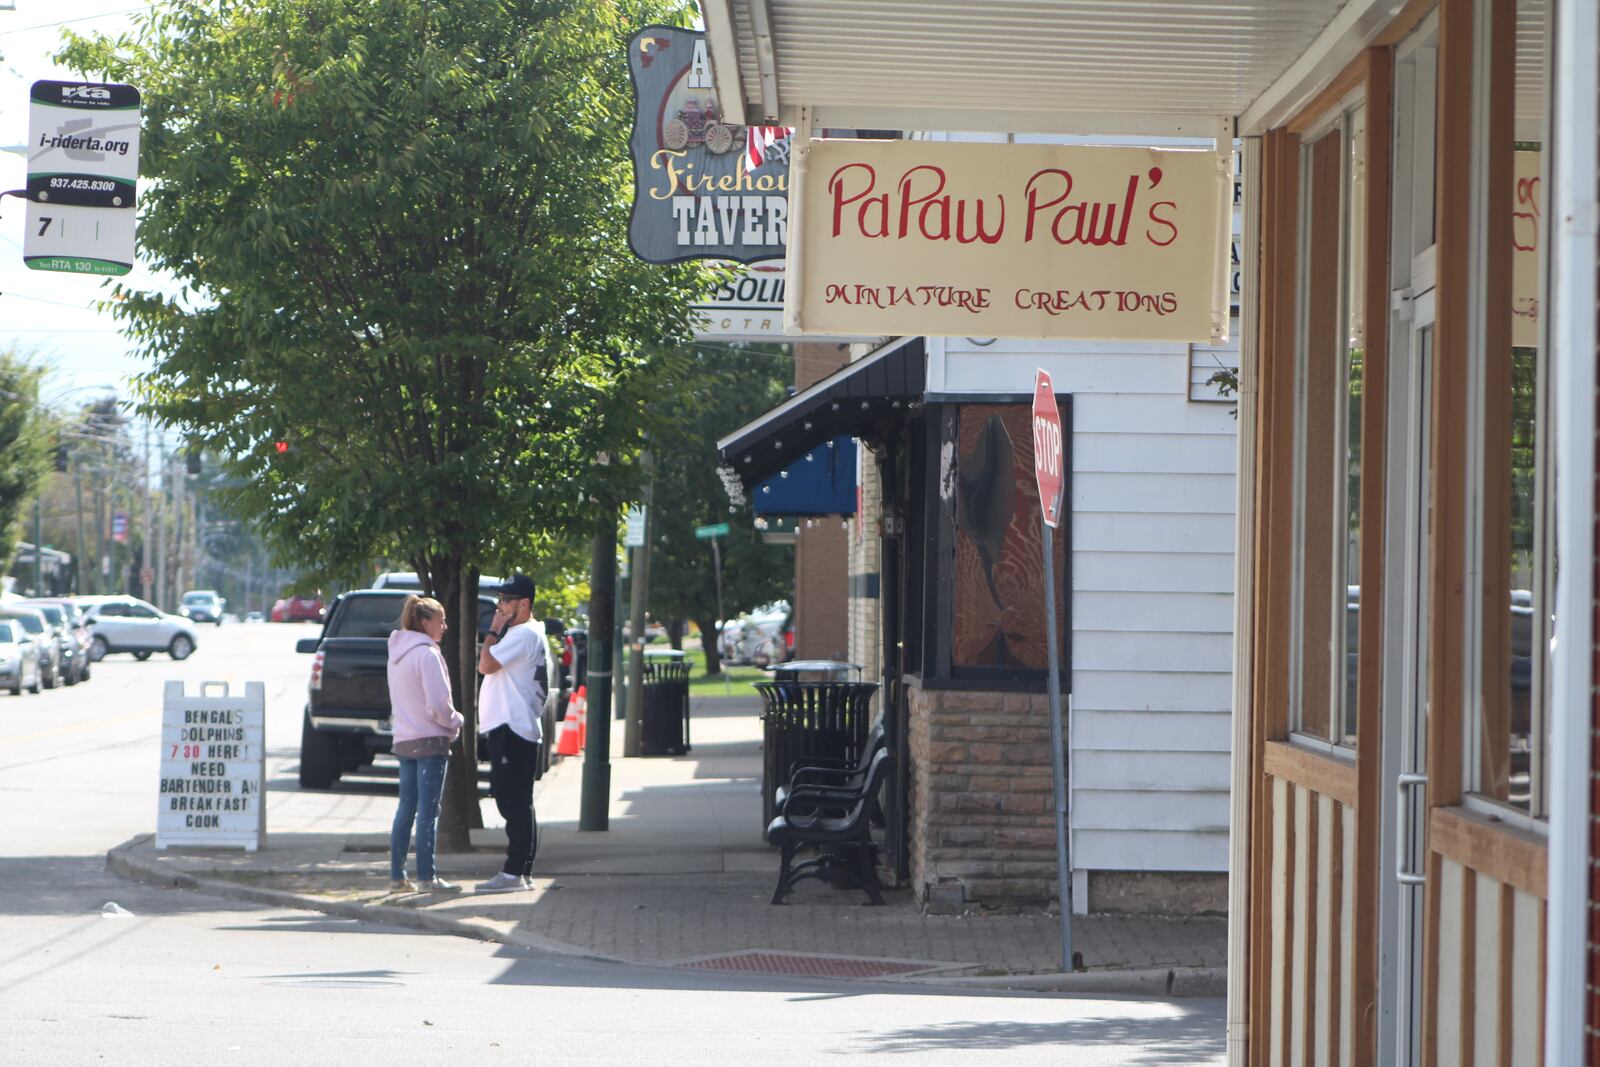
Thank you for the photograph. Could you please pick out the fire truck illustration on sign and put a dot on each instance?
(699, 124)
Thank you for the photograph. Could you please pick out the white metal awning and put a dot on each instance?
(1136, 67)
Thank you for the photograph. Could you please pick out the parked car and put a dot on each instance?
(33, 621)
(409, 581)
(255, 616)
(128, 624)
(574, 662)
(78, 628)
(69, 657)
(19, 658)
(743, 636)
(778, 647)
(202, 605)
(346, 718)
(299, 609)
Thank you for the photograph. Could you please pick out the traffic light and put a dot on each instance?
(61, 458)
(281, 447)
(192, 461)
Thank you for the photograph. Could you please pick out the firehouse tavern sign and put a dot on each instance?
(985, 240)
(703, 189)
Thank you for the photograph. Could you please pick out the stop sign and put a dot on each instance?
(1047, 447)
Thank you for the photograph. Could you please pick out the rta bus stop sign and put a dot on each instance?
(1047, 448)
(83, 170)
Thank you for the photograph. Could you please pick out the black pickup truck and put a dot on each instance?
(346, 719)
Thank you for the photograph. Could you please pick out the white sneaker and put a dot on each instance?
(501, 883)
(527, 881)
(438, 885)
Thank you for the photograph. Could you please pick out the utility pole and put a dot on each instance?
(38, 544)
(102, 565)
(149, 521)
(160, 598)
(180, 513)
(619, 692)
(595, 811)
(77, 489)
(639, 601)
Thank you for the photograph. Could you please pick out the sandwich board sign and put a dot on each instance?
(212, 771)
(83, 169)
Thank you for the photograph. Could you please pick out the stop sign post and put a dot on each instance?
(1047, 459)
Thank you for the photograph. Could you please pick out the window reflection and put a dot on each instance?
(1332, 284)
(1516, 626)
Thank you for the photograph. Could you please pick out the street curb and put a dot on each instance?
(120, 862)
(1175, 982)
(1165, 982)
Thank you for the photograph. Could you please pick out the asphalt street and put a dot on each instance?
(173, 976)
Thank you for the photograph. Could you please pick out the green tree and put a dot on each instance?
(740, 383)
(401, 227)
(24, 444)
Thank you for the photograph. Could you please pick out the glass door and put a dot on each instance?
(1408, 534)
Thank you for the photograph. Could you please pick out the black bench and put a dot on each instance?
(822, 774)
(839, 825)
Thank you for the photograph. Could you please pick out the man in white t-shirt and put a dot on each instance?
(514, 662)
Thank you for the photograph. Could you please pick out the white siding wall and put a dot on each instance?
(1152, 514)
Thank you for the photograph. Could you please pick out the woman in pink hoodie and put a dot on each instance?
(425, 721)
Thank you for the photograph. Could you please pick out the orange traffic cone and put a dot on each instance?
(567, 743)
(580, 702)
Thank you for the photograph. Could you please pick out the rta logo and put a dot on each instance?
(85, 92)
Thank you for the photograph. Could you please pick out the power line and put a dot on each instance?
(42, 300)
(66, 22)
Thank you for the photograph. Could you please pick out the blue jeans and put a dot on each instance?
(421, 785)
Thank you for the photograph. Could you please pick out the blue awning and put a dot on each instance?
(821, 482)
(860, 400)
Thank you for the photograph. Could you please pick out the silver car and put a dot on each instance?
(128, 624)
(19, 658)
(38, 627)
(68, 655)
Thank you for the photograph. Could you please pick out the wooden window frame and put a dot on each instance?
(1353, 775)
(1337, 106)
(1485, 726)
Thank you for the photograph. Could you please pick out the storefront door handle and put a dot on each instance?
(1406, 785)
(1400, 303)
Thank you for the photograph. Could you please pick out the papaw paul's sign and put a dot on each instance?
(703, 188)
(985, 240)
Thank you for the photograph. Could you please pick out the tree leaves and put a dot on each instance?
(401, 228)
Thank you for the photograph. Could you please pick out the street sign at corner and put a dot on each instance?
(633, 534)
(706, 533)
(1047, 448)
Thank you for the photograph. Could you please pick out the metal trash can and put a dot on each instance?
(664, 709)
(814, 719)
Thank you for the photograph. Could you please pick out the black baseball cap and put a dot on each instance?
(519, 586)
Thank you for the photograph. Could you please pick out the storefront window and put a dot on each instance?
(998, 595)
(1332, 263)
(1506, 745)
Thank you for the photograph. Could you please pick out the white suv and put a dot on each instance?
(128, 624)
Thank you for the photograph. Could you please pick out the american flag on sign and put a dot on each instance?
(758, 139)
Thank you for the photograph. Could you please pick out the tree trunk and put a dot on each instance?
(675, 628)
(456, 587)
(708, 642)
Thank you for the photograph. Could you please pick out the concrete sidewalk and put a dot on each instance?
(682, 879)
